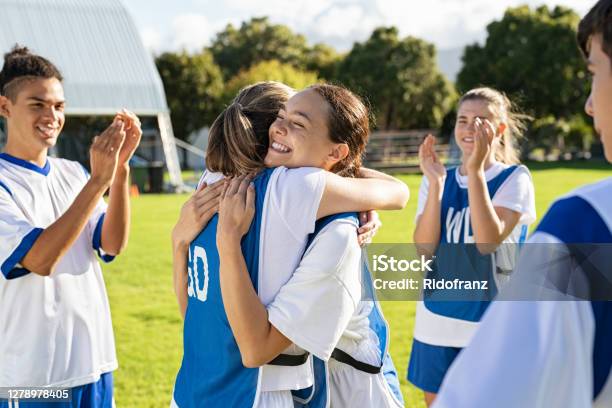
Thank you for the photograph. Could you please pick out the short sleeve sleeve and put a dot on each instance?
(96, 221)
(296, 195)
(17, 236)
(517, 194)
(94, 226)
(315, 306)
(423, 190)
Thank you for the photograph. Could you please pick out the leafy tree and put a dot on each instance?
(324, 60)
(269, 71)
(193, 85)
(532, 56)
(257, 40)
(400, 78)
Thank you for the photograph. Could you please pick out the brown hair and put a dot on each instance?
(597, 21)
(348, 122)
(505, 111)
(21, 65)
(238, 138)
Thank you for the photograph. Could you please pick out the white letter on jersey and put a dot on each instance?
(453, 225)
(467, 238)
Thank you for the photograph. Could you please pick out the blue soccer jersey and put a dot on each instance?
(211, 373)
(447, 317)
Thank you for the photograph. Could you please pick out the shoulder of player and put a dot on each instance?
(519, 178)
(574, 219)
(593, 190)
(339, 234)
(294, 183)
(520, 174)
(65, 164)
(283, 173)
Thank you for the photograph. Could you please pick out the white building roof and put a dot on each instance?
(96, 46)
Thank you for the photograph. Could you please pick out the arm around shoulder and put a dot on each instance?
(376, 191)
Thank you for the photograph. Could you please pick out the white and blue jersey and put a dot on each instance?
(446, 319)
(98, 394)
(55, 330)
(451, 323)
(545, 353)
(212, 373)
(349, 337)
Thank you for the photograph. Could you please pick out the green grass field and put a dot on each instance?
(148, 329)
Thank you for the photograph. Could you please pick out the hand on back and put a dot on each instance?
(369, 224)
(236, 209)
(197, 212)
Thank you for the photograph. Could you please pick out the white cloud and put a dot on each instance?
(152, 39)
(446, 23)
(191, 32)
(454, 23)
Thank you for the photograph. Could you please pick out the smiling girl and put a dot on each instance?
(287, 204)
(486, 201)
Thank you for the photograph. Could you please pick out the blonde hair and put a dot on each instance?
(505, 112)
(238, 138)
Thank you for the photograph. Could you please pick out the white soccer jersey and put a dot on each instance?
(536, 353)
(314, 308)
(54, 330)
(290, 208)
(319, 309)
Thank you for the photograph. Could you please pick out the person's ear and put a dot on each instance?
(339, 152)
(5, 110)
(501, 128)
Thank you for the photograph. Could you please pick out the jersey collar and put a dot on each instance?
(26, 164)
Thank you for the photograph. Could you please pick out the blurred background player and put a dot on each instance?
(55, 325)
(463, 216)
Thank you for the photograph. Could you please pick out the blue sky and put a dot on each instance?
(190, 24)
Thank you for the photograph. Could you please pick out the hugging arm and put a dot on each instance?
(314, 322)
(374, 190)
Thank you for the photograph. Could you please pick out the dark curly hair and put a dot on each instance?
(21, 65)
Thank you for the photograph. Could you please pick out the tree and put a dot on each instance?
(269, 71)
(532, 56)
(400, 78)
(324, 60)
(257, 40)
(193, 85)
